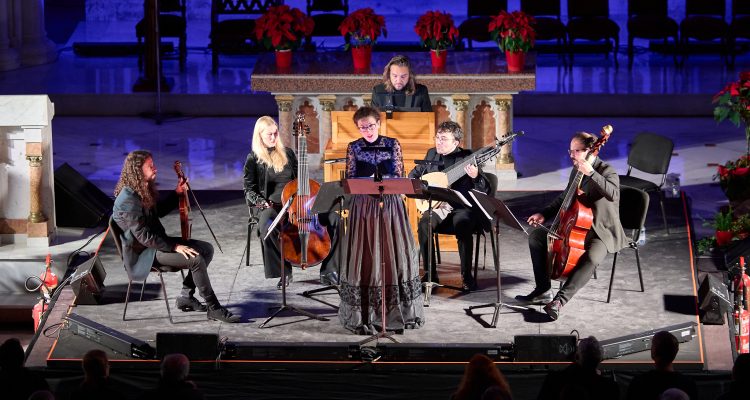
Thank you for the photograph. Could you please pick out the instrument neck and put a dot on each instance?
(570, 194)
(456, 171)
(303, 187)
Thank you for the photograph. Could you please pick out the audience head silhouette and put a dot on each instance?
(674, 394)
(481, 374)
(95, 365)
(664, 348)
(175, 368)
(589, 353)
(11, 355)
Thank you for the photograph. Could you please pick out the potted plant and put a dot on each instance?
(437, 32)
(734, 179)
(282, 28)
(515, 35)
(722, 223)
(741, 226)
(361, 30)
(733, 103)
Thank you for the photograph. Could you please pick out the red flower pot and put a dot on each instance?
(284, 59)
(362, 56)
(723, 238)
(438, 59)
(515, 60)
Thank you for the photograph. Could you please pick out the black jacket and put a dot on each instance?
(399, 99)
(255, 181)
(463, 184)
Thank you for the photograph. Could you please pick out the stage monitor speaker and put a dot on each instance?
(88, 282)
(714, 301)
(637, 342)
(108, 337)
(196, 346)
(545, 348)
(78, 202)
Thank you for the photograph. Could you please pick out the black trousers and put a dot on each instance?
(461, 223)
(271, 251)
(197, 276)
(594, 255)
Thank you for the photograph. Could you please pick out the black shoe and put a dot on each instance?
(190, 304)
(435, 278)
(468, 286)
(223, 315)
(536, 296)
(329, 279)
(288, 281)
(553, 309)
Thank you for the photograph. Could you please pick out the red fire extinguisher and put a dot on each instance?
(741, 312)
(49, 283)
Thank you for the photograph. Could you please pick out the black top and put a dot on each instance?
(384, 155)
(463, 184)
(575, 379)
(399, 99)
(262, 183)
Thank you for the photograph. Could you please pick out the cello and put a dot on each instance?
(304, 240)
(186, 223)
(567, 235)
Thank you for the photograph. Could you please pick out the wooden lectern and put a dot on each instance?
(414, 130)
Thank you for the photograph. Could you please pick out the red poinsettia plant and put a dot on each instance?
(514, 31)
(734, 178)
(436, 30)
(362, 28)
(283, 28)
(733, 103)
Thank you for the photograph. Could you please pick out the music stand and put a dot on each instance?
(495, 210)
(330, 195)
(284, 306)
(380, 187)
(439, 194)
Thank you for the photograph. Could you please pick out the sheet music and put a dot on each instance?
(279, 217)
(486, 214)
(463, 199)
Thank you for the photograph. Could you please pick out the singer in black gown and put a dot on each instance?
(362, 274)
(400, 90)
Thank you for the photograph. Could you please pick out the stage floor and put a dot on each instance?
(669, 297)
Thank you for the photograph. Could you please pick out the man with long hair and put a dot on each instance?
(400, 90)
(145, 242)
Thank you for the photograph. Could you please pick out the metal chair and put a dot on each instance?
(704, 21)
(476, 26)
(328, 15)
(633, 210)
(589, 20)
(649, 19)
(172, 23)
(650, 153)
(740, 26)
(117, 236)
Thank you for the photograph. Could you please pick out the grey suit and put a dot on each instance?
(145, 243)
(602, 193)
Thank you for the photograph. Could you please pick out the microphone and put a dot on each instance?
(389, 108)
(335, 160)
(429, 162)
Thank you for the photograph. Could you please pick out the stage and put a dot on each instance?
(450, 334)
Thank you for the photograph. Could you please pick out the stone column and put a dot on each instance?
(461, 103)
(35, 47)
(504, 123)
(35, 186)
(327, 104)
(284, 101)
(8, 55)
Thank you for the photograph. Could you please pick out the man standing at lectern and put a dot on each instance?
(400, 90)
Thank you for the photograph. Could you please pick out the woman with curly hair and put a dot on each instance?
(145, 243)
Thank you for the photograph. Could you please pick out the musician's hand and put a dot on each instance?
(583, 165)
(186, 251)
(536, 219)
(182, 185)
(472, 170)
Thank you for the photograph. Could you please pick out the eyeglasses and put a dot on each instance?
(577, 151)
(366, 127)
(444, 138)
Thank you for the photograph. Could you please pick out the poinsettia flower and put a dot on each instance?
(741, 171)
(282, 27)
(513, 31)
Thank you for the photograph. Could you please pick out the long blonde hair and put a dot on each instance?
(276, 159)
(132, 177)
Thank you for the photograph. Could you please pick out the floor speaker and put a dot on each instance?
(196, 346)
(88, 282)
(545, 348)
(714, 301)
(78, 202)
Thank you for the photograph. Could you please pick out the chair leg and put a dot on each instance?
(663, 212)
(247, 245)
(640, 274)
(166, 299)
(476, 255)
(127, 297)
(612, 277)
(143, 287)
(183, 52)
(630, 52)
(436, 247)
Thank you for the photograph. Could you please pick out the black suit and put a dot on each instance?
(399, 99)
(461, 221)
